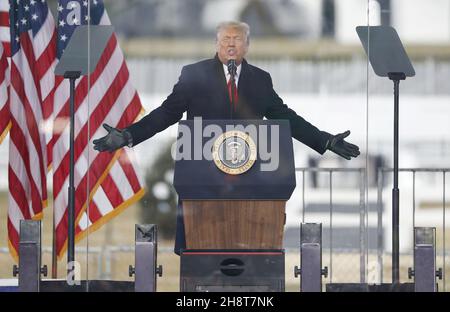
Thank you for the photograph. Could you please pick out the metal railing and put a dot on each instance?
(413, 171)
(364, 215)
(363, 250)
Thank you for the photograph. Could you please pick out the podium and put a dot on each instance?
(233, 178)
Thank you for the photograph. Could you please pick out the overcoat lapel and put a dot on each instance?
(244, 108)
(220, 87)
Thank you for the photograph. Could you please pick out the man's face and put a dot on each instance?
(231, 45)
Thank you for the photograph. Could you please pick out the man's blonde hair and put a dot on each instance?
(243, 27)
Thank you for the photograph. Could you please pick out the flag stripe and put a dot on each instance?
(104, 204)
(47, 90)
(4, 17)
(13, 236)
(6, 47)
(113, 192)
(3, 66)
(28, 55)
(21, 92)
(4, 122)
(14, 214)
(129, 170)
(83, 223)
(117, 174)
(4, 76)
(3, 93)
(4, 5)
(19, 151)
(94, 211)
(48, 93)
(4, 27)
(22, 134)
(31, 123)
(46, 59)
(18, 189)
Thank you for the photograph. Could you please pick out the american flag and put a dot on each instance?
(112, 179)
(32, 60)
(4, 72)
(4, 106)
(4, 25)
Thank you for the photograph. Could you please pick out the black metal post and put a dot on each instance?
(396, 77)
(29, 269)
(146, 249)
(311, 258)
(72, 76)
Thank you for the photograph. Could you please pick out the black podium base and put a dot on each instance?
(232, 270)
(361, 287)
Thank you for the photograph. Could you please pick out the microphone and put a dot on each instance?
(232, 68)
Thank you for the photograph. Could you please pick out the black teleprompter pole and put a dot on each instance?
(396, 77)
(388, 58)
(79, 59)
(72, 76)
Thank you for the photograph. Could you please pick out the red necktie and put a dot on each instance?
(235, 93)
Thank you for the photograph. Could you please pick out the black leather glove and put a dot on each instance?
(115, 139)
(338, 145)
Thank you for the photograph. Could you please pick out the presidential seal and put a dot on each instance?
(234, 152)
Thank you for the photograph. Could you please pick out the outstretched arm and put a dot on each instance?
(170, 112)
(302, 130)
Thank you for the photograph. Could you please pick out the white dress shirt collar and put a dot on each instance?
(238, 73)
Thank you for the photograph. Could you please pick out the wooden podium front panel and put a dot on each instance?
(234, 224)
